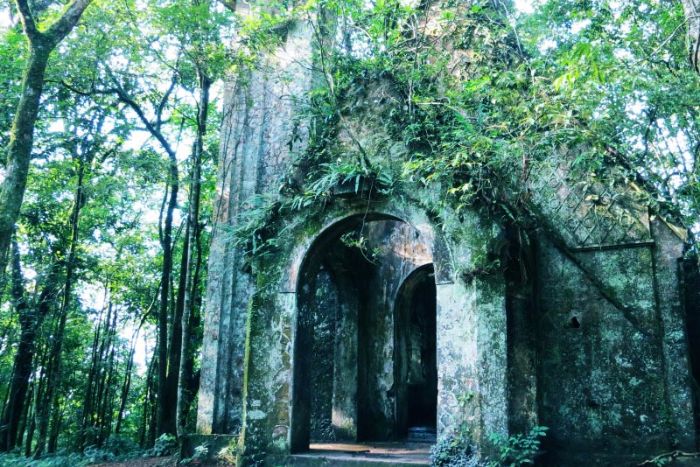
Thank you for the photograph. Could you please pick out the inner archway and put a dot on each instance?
(352, 302)
(415, 362)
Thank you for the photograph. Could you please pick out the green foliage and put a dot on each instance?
(166, 445)
(476, 129)
(342, 176)
(116, 449)
(59, 460)
(200, 453)
(458, 450)
(454, 450)
(13, 54)
(516, 450)
(85, 131)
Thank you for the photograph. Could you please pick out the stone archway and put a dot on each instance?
(471, 348)
(344, 385)
(415, 355)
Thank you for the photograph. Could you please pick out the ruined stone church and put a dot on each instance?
(582, 329)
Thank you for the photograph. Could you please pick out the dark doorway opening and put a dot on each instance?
(415, 364)
(349, 335)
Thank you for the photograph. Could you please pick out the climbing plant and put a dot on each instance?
(484, 95)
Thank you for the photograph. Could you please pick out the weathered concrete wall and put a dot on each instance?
(323, 324)
(592, 343)
(258, 139)
(346, 296)
(672, 314)
(471, 347)
(521, 308)
(691, 289)
(399, 251)
(606, 383)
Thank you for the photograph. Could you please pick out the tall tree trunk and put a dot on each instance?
(29, 437)
(39, 395)
(152, 415)
(166, 402)
(30, 320)
(87, 422)
(56, 420)
(20, 146)
(175, 347)
(55, 360)
(22, 368)
(19, 150)
(146, 414)
(126, 385)
(165, 407)
(25, 416)
(191, 279)
(104, 416)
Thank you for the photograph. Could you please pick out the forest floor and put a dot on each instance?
(156, 462)
(142, 462)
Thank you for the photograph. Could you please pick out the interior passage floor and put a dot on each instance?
(389, 453)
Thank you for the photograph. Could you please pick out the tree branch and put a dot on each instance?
(164, 101)
(67, 21)
(126, 99)
(27, 19)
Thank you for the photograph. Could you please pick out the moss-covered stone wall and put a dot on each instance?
(587, 338)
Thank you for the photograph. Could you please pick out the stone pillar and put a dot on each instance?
(472, 354)
(259, 136)
(345, 377)
(667, 255)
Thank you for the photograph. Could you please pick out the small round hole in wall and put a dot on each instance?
(574, 322)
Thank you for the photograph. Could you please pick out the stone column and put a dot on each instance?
(260, 133)
(472, 354)
(667, 255)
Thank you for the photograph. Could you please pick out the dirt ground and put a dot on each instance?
(157, 462)
(143, 462)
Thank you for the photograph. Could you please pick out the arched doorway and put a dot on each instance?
(415, 362)
(345, 384)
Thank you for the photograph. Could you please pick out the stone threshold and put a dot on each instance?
(363, 454)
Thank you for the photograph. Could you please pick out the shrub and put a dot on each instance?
(120, 445)
(165, 445)
(517, 450)
(454, 450)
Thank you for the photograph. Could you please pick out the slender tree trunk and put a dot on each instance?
(56, 420)
(55, 363)
(146, 414)
(166, 403)
(30, 320)
(186, 361)
(30, 429)
(95, 362)
(26, 416)
(22, 368)
(175, 347)
(39, 393)
(43, 408)
(165, 407)
(101, 368)
(105, 402)
(126, 385)
(152, 406)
